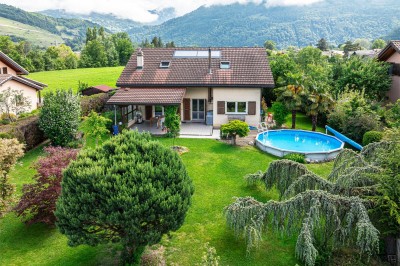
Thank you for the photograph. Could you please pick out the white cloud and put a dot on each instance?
(137, 9)
(271, 3)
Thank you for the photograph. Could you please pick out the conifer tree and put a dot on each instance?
(131, 190)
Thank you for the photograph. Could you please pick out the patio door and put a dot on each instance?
(198, 109)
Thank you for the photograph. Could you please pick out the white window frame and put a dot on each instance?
(236, 108)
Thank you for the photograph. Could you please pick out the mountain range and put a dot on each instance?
(236, 24)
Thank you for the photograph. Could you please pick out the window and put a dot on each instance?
(164, 64)
(158, 110)
(225, 65)
(236, 107)
(5, 70)
(129, 112)
(395, 69)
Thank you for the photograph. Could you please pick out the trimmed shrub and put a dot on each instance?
(94, 102)
(38, 202)
(296, 157)
(235, 128)
(280, 113)
(372, 136)
(60, 117)
(131, 190)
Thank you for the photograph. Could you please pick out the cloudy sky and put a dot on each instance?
(136, 9)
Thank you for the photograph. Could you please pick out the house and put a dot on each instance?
(12, 76)
(391, 54)
(367, 53)
(97, 89)
(208, 85)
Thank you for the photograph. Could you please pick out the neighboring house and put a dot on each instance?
(11, 76)
(391, 54)
(367, 53)
(219, 84)
(97, 89)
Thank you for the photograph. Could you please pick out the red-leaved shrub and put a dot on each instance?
(38, 202)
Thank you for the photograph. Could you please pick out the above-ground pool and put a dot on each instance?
(315, 146)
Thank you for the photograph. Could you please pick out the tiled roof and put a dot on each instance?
(14, 65)
(249, 67)
(103, 88)
(31, 83)
(148, 96)
(391, 48)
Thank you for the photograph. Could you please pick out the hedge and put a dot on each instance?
(26, 130)
(94, 102)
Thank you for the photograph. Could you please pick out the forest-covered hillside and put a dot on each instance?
(252, 24)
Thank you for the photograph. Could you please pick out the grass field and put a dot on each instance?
(217, 170)
(66, 79)
(35, 35)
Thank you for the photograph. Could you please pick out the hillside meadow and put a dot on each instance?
(66, 79)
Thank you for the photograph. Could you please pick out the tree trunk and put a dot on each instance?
(314, 122)
(234, 139)
(131, 255)
(294, 113)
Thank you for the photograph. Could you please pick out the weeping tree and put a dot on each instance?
(328, 213)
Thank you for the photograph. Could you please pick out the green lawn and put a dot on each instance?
(217, 170)
(65, 79)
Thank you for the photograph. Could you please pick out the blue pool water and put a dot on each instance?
(299, 141)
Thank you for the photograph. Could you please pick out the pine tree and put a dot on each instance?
(131, 190)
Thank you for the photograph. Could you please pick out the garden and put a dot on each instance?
(88, 198)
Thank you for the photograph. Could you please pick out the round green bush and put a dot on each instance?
(296, 157)
(371, 136)
(131, 190)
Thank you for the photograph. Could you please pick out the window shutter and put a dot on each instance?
(251, 106)
(221, 107)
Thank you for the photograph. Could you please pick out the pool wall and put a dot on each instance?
(310, 156)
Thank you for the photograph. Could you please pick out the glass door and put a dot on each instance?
(198, 110)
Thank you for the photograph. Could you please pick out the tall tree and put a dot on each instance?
(124, 47)
(270, 45)
(317, 101)
(378, 44)
(291, 95)
(323, 45)
(93, 55)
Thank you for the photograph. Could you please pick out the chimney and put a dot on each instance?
(140, 59)
(209, 61)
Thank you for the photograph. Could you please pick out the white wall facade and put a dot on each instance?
(28, 92)
(237, 95)
(9, 70)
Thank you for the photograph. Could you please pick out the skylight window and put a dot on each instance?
(225, 65)
(196, 54)
(165, 64)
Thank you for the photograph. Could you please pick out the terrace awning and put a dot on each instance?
(148, 96)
